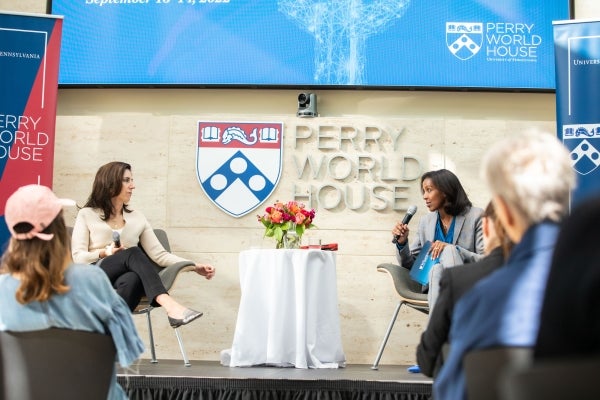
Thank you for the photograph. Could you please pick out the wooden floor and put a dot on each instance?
(172, 373)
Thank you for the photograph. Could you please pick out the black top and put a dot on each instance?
(570, 317)
(455, 282)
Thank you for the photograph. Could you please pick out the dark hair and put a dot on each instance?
(457, 201)
(108, 183)
(41, 264)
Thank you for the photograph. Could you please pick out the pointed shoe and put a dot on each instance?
(188, 316)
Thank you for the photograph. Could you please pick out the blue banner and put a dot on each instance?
(29, 58)
(577, 52)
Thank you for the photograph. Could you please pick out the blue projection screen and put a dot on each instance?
(452, 44)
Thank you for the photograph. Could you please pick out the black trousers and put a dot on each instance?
(133, 275)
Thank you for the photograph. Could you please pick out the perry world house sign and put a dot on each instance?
(238, 164)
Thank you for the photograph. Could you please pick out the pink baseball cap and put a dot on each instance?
(36, 205)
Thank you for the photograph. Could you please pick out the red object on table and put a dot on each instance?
(329, 246)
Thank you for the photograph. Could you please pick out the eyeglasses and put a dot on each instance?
(127, 180)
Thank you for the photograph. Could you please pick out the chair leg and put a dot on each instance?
(186, 362)
(152, 350)
(387, 335)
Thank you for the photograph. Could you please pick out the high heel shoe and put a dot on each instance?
(188, 316)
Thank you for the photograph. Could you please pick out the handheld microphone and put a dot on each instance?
(412, 210)
(117, 239)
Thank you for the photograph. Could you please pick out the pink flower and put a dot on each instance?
(300, 218)
(282, 217)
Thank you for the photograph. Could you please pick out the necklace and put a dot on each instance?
(115, 223)
(446, 225)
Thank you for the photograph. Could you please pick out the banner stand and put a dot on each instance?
(577, 58)
(29, 60)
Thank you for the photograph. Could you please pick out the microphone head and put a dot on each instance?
(117, 239)
(409, 214)
(411, 210)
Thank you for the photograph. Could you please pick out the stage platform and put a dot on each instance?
(209, 380)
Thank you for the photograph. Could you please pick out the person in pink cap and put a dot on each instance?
(41, 287)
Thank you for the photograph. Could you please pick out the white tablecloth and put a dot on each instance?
(288, 314)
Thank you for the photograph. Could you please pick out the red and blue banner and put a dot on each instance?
(29, 59)
(577, 52)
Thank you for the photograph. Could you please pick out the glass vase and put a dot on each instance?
(291, 240)
(279, 243)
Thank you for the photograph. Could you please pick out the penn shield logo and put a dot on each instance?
(464, 39)
(238, 164)
(583, 141)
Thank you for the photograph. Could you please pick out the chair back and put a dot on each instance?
(484, 369)
(55, 363)
(163, 239)
(407, 289)
(168, 275)
(563, 378)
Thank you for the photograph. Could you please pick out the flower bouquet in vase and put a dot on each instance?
(286, 222)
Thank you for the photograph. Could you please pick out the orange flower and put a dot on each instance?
(276, 216)
(282, 217)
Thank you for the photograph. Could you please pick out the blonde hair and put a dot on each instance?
(39, 264)
(532, 173)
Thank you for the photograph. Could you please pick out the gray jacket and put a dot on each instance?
(468, 237)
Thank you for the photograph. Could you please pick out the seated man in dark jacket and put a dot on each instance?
(454, 283)
(570, 317)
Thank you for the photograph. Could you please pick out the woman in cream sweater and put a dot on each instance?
(128, 267)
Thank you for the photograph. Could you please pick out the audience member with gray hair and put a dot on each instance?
(530, 178)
